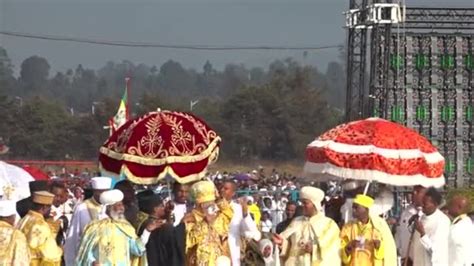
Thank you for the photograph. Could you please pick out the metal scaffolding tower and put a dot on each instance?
(421, 68)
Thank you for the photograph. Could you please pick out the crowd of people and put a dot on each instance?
(225, 220)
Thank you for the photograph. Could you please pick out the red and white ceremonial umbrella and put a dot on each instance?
(159, 145)
(376, 150)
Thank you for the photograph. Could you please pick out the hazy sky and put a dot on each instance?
(183, 22)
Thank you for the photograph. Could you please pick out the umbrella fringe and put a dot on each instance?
(372, 175)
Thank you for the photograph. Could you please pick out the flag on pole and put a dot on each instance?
(122, 114)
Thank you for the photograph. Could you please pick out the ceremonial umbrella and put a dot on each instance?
(376, 150)
(160, 145)
(36, 173)
(14, 182)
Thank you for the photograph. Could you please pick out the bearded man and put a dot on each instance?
(113, 241)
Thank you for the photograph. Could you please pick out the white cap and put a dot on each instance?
(111, 197)
(101, 182)
(7, 208)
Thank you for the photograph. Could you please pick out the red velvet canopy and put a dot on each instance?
(160, 144)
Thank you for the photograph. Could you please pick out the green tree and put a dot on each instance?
(7, 81)
(43, 131)
(175, 80)
(34, 70)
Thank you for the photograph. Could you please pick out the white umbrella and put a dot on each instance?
(14, 182)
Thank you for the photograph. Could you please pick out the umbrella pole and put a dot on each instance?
(366, 189)
(168, 183)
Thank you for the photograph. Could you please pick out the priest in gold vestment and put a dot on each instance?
(41, 241)
(311, 239)
(112, 241)
(207, 227)
(13, 246)
(362, 241)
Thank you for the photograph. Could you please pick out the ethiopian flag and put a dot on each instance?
(122, 115)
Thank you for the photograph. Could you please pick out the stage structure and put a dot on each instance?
(414, 65)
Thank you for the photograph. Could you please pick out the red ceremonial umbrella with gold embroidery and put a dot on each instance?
(376, 150)
(159, 145)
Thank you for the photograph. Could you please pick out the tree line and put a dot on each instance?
(270, 113)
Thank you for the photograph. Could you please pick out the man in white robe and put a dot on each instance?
(430, 241)
(461, 246)
(311, 239)
(84, 213)
(241, 225)
(403, 234)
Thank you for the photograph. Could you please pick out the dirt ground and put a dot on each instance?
(290, 167)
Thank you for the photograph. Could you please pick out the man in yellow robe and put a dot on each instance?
(41, 241)
(13, 246)
(390, 256)
(361, 241)
(311, 239)
(207, 227)
(112, 240)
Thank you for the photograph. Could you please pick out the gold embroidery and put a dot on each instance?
(161, 139)
(152, 142)
(182, 142)
(8, 191)
(36, 232)
(180, 138)
(108, 249)
(122, 139)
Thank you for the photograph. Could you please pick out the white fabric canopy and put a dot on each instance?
(14, 182)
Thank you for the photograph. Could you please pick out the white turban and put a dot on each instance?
(315, 195)
(101, 183)
(250, 199)
(7, 208)
(111, 197)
